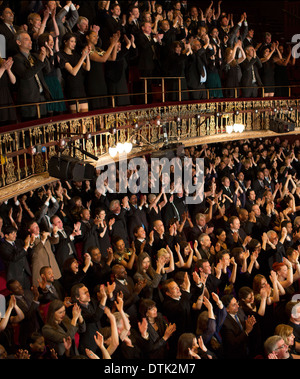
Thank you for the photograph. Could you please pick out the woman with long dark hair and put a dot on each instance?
(60, 327)
(158, 329)
(73, 68)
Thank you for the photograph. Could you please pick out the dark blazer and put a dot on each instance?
(246, 67)
(27, 87)
(259, 188)
(46, 296)
(92, 315)
(32, 321)
(16, 263)
(178, 312)
(90, 235)
(65, 248)
(119, 228)
(234, 339)
(138, 218)
(230, 241)
(131, 298)
(110, 27)
(146, 48)
(11, 45)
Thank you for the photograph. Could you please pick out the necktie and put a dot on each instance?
(31, 61)
(253, 75)
(12, 29)
(238, 321)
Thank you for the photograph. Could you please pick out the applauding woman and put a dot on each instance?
(59, 327)
(7, 79)
(74, 68)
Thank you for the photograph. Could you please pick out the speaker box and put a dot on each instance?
(281, 126)
(69, 168)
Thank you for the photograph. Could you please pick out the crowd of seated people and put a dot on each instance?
(88, 272)
(58, 50)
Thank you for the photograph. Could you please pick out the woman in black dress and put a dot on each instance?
(158, 329)
(52, 72)
(7, 79)
(116, 71)
(155, 207)
(104, 238)
(268, 71)
(176, 65)
(73, 273)
(73, 68)
(282, 71)
(95, 80)
(232, 69)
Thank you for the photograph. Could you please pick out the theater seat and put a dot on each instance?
(44, 311)
(3, 290)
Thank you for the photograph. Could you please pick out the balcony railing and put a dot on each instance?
(27, 148)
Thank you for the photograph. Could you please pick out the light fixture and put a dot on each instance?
(238, 128)
(113, 152)
(32, 150)
(62, 143)
(127, 147)
(229, 129)
(120, 148)
(165, 132)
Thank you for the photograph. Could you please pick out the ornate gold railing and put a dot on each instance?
(26, 151)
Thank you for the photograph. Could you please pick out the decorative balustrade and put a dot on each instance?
(26, 151)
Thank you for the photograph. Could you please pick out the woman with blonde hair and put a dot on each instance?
(287, 334)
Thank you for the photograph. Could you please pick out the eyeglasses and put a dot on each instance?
(281, 347)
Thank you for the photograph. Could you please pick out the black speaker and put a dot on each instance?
(278, 125)
(69, 168)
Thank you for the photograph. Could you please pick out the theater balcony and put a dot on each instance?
(27, 148)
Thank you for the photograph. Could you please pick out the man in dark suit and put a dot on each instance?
(235, 330)
(149, 53)
(141, 241)
(227, 192)
(248, 41)
(49, 288)
(138, 216)
(131, 291)
(66, 247)
(28, 302)
(235, 236)
(9, 31)
(48, 209)
(259, 185)
(113, 24)
(14, 255)
(28, 70)
(120, 213)
(133, 24)
(92, 312)
(196, 74)
(250, 73)
(89, 231)
(177, 308)
(199, 227)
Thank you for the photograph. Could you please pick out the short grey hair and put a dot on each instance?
(271, 344)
